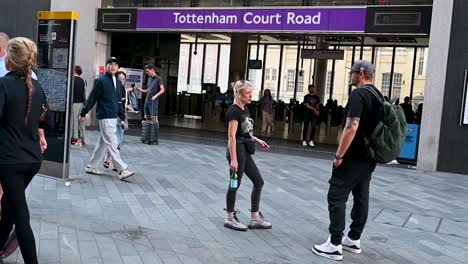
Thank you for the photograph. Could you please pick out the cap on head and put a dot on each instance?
(112, 59)
(363, 66)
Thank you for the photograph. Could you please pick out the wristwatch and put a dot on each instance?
(338, 158)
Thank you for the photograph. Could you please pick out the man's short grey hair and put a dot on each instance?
(4, 40)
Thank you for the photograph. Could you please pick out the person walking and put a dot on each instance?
(106, 93)
(122, 76)
(79, 97)
(241, 146)
(22, 141)
(352, 167)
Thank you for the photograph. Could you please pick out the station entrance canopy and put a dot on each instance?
(413, 20)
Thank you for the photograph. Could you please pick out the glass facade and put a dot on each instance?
(244, 3)
(400, 71)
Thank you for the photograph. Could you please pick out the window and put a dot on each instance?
(291, 80)
(300, 82)
(224, 59)
(267, 74)
(397, 82)
(183, 67)
(252, 76)
(328, 84)
(211, 59)
(421, 61)
(274, 72)
(385, 83)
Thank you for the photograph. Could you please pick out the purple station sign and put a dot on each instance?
(261, 20)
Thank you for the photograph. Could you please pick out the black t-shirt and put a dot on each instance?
(312, 100)
(79, 95)
(19, 142)
(245, 125)
(363, 104)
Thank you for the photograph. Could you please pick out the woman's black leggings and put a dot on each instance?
(14, 179)
(245, 164)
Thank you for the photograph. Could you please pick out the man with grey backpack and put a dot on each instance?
(374, 132)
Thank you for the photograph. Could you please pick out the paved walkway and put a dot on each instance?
(172, 211)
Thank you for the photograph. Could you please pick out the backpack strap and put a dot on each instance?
(374, 93)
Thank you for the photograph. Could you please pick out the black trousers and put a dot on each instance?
(312, 120)
(246, 165)
(14, 179)
(350, 176)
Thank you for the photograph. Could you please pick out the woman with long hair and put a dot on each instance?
(267, 104)
(22, 141)
(241, 146)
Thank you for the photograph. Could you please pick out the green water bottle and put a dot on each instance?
(233, 181)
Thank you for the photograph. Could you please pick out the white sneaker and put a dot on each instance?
(311, 143)
(125, 174)
(328, 250)
(350, 245)
(304, 143)
(95, 171)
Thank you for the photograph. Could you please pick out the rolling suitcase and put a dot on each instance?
(149, 132)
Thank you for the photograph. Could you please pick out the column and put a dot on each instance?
(238, 57)
(320, 74)
(443, 143)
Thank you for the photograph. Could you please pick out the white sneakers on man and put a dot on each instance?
(328, 250)
(311, 143)
(353, 246)
(95, 171)
(122, 175)
(125, 174)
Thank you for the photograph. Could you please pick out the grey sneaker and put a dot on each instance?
(125, 174)
(350, 245)
(234, 223)
(259, 223)
(95, 171)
